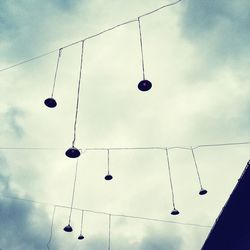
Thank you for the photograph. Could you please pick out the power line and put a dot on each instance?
(132, 148)
(87, 38)
(6, 196)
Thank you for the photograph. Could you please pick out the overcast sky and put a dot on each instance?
(196, 56)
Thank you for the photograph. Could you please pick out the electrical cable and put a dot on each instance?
(51, 228)
(170, 180)
(78, 95)
(87, 38)
(6, 196)
(141, 46)
(55, 76)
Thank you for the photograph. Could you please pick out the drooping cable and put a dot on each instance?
(78, 95)
(109, 233)
(133, 148)
(143, 85)
(141, 47)
(55, 76)
(51, 102)
(73, 152)
(92, 36)
(51, 227)
(108, 177)
(202, 190)
(174, 211)
(105, 213)
(73, 192)
(81, 237)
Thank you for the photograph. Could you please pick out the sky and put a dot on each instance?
(196, 58)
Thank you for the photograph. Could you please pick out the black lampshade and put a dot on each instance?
(144, 85)
(73, 152)
(80, 237)
(175, 212)
(108, 177)
(50, 102)
(68, 229)
(202, 191)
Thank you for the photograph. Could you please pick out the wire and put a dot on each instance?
(81, 222)
(28, 60)
(78, 96)
(90, 37)
(170, 179)
(108, 160)
(51, 228)
(73, 192)
(109, 237)
(57, 64)
(141, 46)
(6, 196)
(131, 148)
(196, 167)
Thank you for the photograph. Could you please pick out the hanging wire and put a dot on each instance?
(133, 148)
(109, 235)
(141, 46)
(51, 227)
(170, 179)
(73, 192)
(90, 37)
(108, 160)
(105, 213)
(196, 167)
(55, 76)
(81, 222)
(78, 95)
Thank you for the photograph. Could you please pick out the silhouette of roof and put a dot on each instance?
(231, 230)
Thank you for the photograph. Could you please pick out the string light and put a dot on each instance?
(174, 211)
(81, 237)
(202, 190)
(108, 177)
(73, 152)
(51, 102)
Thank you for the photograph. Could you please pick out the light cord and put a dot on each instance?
(51, 227)
(55, 76)
(141, 46)
(196, 167)
(170, 179)
(78, 95)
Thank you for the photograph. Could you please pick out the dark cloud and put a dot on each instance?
(23, 225)
(219, 29)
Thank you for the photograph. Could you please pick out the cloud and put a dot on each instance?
(219, 29)
(23, 225)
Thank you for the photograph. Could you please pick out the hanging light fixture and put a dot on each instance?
(68, 228)
(51, 102)
(202, 190)
(74, 152)
(174, 211)
(143, 85)
(108, 177)
(81, 237)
